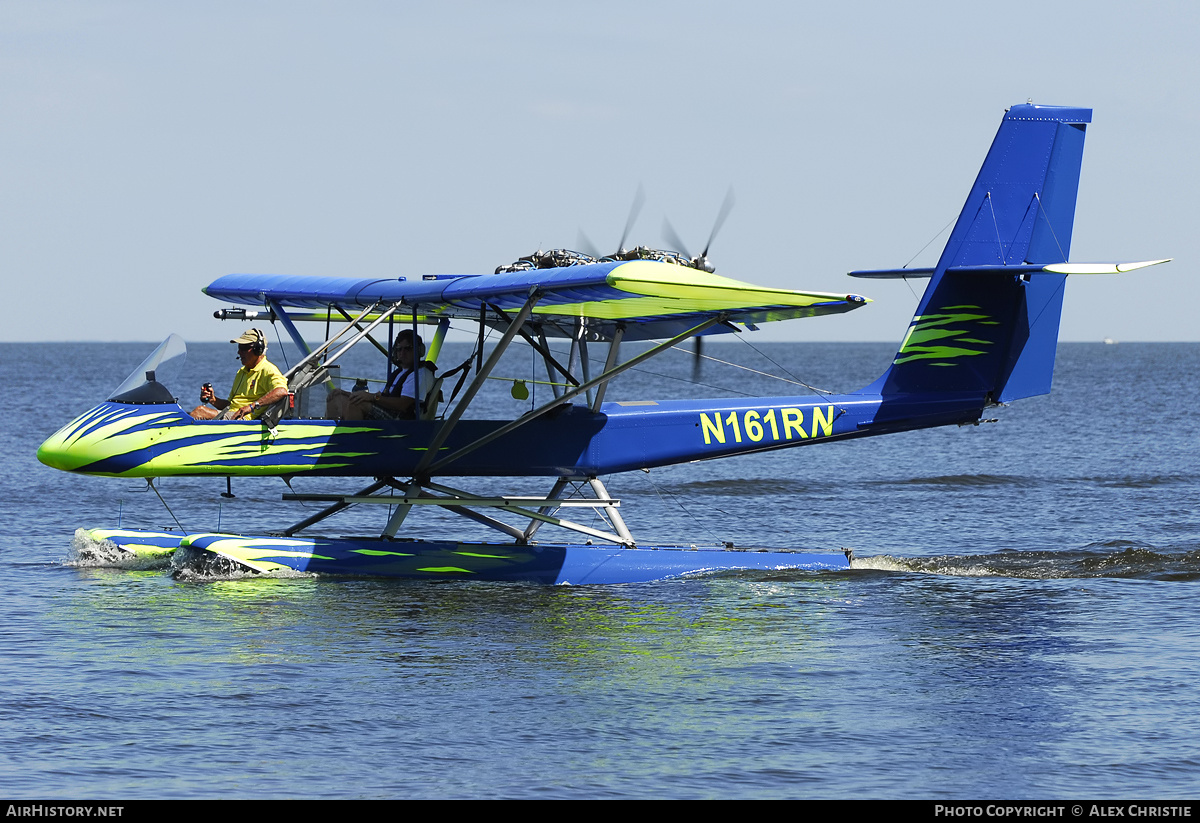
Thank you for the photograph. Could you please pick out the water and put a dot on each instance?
(1021, 620)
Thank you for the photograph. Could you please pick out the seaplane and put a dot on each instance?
(984, 334)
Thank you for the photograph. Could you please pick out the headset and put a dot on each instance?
(259, 346)
(418, 348)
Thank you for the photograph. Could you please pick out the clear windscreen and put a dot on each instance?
(163, 364)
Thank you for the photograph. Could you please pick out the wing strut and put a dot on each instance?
(320, 350)
(356, 325)
(551, 363)
(541, 348)
(286, 320)
(609, 374)
(579, 352)
(480, 377)
(614, 347)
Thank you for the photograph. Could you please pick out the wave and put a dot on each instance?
(1150, 481)
(965, 480)
(785, 486)
(750, 487)
(1108, 559)
(87, 552)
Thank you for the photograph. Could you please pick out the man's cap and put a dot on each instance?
(251, 336)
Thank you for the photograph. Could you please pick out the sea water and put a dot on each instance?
(1021, 620)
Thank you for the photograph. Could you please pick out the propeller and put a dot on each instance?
(587, 251)
(673, 239)
(700, 261)
(639, 200)
(587, 246)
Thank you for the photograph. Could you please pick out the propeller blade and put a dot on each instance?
(673, 238)
(726, 207)
(639, 199)
(586, 246)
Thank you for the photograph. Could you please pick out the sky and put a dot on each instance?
(150, 148)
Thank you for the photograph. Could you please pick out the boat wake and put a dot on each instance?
(89, 552)
(1115, 558)
(191, 566)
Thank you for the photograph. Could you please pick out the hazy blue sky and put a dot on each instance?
(152, 147)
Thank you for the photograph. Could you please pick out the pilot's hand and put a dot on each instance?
(207, 395)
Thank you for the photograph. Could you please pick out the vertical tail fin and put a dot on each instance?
(987, 323)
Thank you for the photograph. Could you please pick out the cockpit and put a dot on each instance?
(316, 388)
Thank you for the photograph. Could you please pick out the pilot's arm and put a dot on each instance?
(402, 405)
(274, 395)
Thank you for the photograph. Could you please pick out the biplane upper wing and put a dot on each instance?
(651, 299)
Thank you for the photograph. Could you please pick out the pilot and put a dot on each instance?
(257, 384)
(398, 400)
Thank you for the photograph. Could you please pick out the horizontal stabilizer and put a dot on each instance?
(891, 274)
(1052, 268)
(1101, 268)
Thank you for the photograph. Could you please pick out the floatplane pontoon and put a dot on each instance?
(984, 333)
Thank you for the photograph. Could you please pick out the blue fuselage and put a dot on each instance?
(161, 440)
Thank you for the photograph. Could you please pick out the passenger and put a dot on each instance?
(257, 384)
(398, 401)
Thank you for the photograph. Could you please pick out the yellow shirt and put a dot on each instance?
(251, 384)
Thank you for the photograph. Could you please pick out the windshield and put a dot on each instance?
(145, 384)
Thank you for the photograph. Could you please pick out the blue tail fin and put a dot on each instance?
(987, 324)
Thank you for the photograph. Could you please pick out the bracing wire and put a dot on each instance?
(1050, 226)
(675, 498)
(795, 381)
(996, 225)
(931, 239)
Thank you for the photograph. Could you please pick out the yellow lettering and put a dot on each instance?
(769, 417)
(793, 419)
(754, 429)
(712, 426)
(737, 431)
(820, 420)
